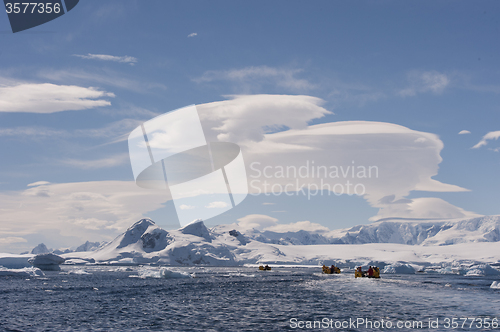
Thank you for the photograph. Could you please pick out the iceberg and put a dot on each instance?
(162, 272)
(495, 285)
(399, 268)
(482, 270)
(47, 262)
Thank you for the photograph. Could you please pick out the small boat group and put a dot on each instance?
(331, 270)
(372, 272)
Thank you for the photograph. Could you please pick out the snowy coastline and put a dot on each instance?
(470, 243)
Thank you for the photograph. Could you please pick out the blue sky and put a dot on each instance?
(430, 66)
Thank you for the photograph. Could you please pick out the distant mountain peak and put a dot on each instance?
(40, 249)
(197, 228)
(136, 231)
(145, 222)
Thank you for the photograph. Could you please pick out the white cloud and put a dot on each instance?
(124, 59)
(216, 205)
(264, 222)
(96, 210)
(12, 239)
(247, 117)
(194, 34)
(421, 82)
(257, 76)
(423, 208)
(257, 221)
(38, 183)
(50, 98)
(186, 207)
(297, 226)
(492, 135)
(403, 160)
(464, 132)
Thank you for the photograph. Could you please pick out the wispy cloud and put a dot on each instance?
(12, 239)
(116, 131)
(109, 162)
(105, 76)
(428, 81)
(493, 135)
(50, 98)
(194, 34)
(354, 93)
(258, 76)
(32, 132)
(104, 57)
(464, 132)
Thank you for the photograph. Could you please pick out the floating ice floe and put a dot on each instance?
(162, 272)
(24, 272)
(399, 268)
(78, 261)
(495, 285)
(482, 270)
(13, 261)
(79, 272)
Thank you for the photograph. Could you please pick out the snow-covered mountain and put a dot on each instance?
(40, 249)
(90, 246)
(410, 232)
(87, 246)
(425, 232)
(145, 242)
(417, 242)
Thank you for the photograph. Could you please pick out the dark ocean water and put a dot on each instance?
(239, 299)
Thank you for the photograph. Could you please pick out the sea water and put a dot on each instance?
(106, 298)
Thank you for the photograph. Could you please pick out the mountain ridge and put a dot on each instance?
(421, 242)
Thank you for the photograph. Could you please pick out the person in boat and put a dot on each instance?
(332, 269)
(370, 272)
(376, 272)
(267, 267)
